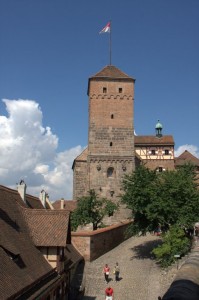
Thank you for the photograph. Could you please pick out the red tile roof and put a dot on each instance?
(186, 157)
(22, 264)
(34, 202)
(111, 72)
(152, 140)
(47, 227)
(69, 205)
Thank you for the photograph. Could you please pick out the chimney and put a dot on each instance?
(21, 188)
(62, 203)
(43, 195)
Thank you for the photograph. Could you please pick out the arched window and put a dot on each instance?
(110, 172)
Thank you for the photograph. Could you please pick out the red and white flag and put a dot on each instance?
(107, 28)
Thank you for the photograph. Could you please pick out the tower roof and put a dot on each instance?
(158, 125)
(111, 72)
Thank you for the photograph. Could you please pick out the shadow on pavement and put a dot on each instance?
(144, 250)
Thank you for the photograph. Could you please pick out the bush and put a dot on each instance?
(175, 242)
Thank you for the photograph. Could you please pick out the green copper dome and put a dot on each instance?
(158, 125)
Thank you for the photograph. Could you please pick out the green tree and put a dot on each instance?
(166, 198)
(91, 209)
(175, 242)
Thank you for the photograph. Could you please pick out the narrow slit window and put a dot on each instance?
(120, 90)
(111, 144)
(104, 90)
(112, 116)
(110, 172)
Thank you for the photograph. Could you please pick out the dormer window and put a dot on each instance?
(104, 90)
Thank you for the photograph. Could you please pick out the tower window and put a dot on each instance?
(104, 90)
(160, 169)
(111, 144)
(153, 152)
(112, 116)
(120, 90)
(110, 172)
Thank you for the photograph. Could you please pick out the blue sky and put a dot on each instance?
(48, 51)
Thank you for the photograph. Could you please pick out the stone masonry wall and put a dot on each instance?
(111, 118)
(95, 243)
(111, 135)
(80, 179)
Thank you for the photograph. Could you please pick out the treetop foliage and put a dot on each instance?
(91, 209)
(167, 198)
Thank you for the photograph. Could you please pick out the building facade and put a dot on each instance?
(113, 148)
(156, 152)
(110, 151)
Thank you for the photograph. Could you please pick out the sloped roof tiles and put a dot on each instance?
(112, 72)
(154, 140)
(47, 227)
(22, 264)
(186, 157)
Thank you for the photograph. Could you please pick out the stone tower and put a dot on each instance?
(110, 151)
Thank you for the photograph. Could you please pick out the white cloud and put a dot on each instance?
(191, 148)
(29, 151)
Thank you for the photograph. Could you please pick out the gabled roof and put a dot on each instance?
(22, 264)
(48, 227)
(33, 202)
(111, 72)
(186, 157)
(69, 205)
(147, 140)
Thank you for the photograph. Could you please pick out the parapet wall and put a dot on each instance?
(92, 244)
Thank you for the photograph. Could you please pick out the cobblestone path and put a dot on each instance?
(140, 277)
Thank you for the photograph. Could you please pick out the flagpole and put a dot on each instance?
(110, 48)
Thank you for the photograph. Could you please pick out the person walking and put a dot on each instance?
(109, 293)
(116, 272)
(106, 271)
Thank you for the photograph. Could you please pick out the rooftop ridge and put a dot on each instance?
(111, 71)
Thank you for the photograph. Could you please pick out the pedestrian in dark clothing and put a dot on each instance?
(116, 272)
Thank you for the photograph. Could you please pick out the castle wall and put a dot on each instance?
(107, 175)
(92, 244)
